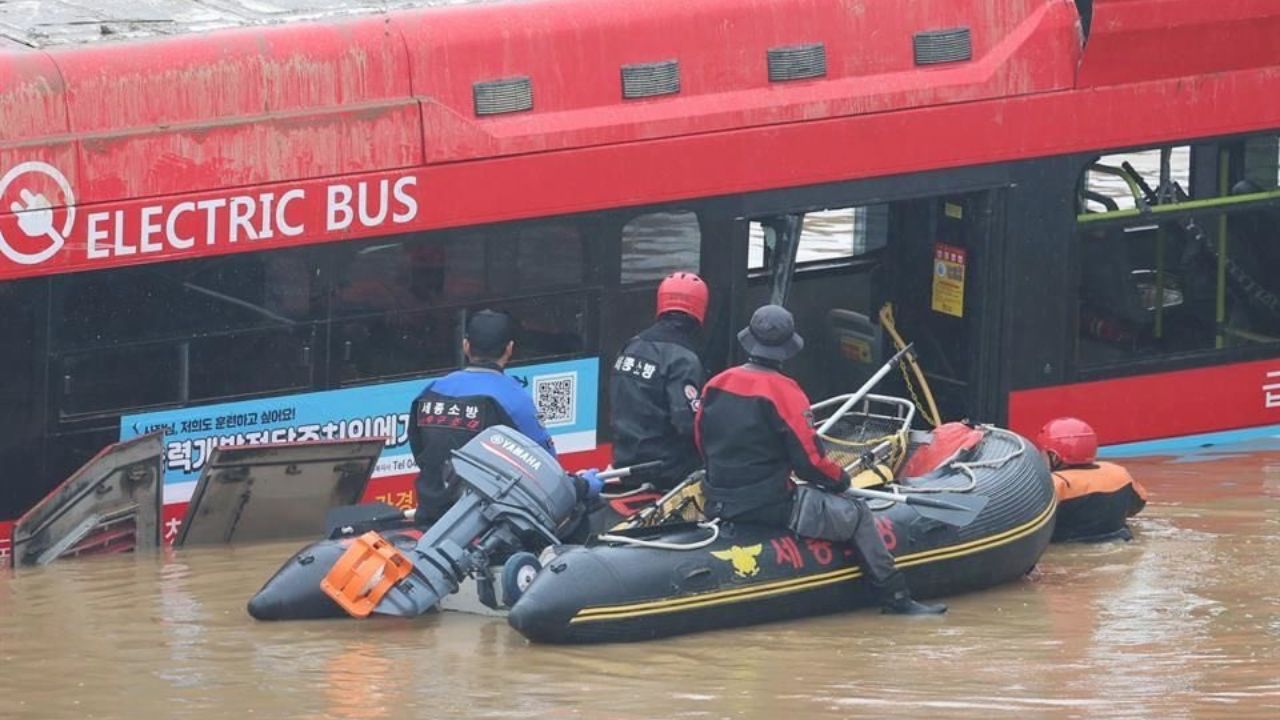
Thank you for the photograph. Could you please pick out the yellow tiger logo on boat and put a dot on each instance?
(743, 559)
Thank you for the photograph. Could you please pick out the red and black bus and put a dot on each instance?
(245, 234)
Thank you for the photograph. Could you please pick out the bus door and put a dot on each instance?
(821, 265)
(943, 293)
(838, 266)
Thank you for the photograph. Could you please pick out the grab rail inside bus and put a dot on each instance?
(1103, 200)
(1184, 206)
(1139, 198)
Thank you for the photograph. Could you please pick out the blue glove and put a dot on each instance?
(595, 483)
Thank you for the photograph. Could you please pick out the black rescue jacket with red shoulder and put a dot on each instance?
(653, 393)
(754, 429)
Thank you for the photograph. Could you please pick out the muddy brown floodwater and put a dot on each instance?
(1182, 623)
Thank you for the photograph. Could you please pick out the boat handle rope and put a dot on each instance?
(646, 487)
(968, 468)
(713, 526)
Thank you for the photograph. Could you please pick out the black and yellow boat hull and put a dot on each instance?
(751, 574)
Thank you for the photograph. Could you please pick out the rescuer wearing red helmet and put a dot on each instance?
(1068, 441)
(656, 382)
(1094, 498)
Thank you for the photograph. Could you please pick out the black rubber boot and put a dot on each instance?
(895, 599)
(902, 604)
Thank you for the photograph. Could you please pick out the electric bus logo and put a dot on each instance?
(35, 215)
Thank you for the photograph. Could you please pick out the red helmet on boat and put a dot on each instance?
(1068, 441)
(685, 292)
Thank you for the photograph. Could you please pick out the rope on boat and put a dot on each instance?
(646, 487)
(713, 526)
(968, 468)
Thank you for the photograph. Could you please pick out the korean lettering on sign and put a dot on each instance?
(948, 279)
(372, 411)
(190, 454)
(171, 527)
(1271, 390)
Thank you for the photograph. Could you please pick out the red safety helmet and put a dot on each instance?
(683, 291)
(1068, 441)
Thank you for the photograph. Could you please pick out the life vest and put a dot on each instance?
(1094, 501)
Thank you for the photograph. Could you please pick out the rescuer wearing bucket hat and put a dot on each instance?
(754, 429)
(655, 385)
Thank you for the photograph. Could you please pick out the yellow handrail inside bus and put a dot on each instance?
(930, 414)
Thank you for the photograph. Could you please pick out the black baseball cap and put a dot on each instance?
(489, 332)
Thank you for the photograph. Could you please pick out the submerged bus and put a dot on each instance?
(240, 226)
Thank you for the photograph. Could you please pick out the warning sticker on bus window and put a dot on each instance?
(948, 279)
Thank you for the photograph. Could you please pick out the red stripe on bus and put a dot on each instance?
(6, 543)
(1158, 405)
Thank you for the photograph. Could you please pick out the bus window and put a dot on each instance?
(396, 344)
(408, 272)
(1167, 281)
(428, 270)
(188, 299)
(250, 363)
(24, 307)
(828, 237)
(1106, 186)
(549, 255)
(549, 327)
(171, 333)
(99, 382)
(532, 257)
(399, 302)
(1262, 161)
(657, 244)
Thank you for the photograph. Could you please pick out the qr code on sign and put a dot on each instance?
(556, 398)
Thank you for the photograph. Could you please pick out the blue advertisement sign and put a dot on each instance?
(564, 392)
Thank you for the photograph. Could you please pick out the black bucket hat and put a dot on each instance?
(772, 334)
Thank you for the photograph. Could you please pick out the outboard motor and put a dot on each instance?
(516, 495)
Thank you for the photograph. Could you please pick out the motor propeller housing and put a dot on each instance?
(516, 496)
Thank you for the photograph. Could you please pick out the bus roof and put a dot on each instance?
(577, 105)
(52, 23)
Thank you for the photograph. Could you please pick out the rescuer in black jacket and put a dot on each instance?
(452, 410)
(754, 429)
(655, 385)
